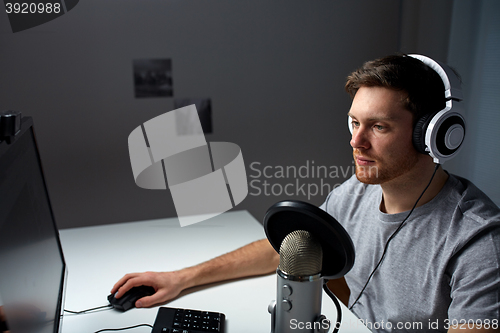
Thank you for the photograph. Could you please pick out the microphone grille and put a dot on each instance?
(300, 254)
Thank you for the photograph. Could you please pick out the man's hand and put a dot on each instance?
(167, 285)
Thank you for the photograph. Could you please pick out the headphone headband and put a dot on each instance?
(450, 80)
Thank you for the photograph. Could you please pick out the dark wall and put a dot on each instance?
(274, 72)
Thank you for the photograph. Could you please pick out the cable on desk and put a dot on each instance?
(123, 328)
(88, 310)
(337, 305)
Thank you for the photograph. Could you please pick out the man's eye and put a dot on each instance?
(355, 123)
(379, 127)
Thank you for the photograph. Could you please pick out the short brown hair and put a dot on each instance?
(424, 87)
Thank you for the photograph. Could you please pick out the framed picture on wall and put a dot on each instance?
(153, 78)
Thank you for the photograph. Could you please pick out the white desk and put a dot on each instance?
(98, 256)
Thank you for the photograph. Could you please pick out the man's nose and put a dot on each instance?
(359, 139)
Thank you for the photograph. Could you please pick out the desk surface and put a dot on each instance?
(98, 256)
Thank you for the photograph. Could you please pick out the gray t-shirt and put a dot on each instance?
(443, 266)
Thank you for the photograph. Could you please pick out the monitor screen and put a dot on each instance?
(31, 259)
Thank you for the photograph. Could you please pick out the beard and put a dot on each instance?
(385, 169)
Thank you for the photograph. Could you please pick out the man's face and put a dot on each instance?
(382, 135)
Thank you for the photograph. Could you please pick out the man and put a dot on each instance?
(441, 265)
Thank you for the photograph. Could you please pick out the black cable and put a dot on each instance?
(392, 236)
(107, 329)
(337, 305)
(123, 328)
(88, 310)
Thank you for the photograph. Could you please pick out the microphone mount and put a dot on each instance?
(287, 216)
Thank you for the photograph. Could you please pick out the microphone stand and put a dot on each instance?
(303, 294)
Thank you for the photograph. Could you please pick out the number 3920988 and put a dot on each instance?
(32, 8)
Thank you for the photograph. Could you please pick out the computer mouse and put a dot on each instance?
(127, 301)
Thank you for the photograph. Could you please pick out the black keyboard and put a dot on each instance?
(174, 320)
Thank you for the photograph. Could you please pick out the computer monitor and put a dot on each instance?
(33, 270)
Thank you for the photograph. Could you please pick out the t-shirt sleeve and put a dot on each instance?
(475, 279)
(323, 206)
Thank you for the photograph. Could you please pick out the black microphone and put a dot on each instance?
(299, 289)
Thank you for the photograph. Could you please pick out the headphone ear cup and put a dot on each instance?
(419, 133)
(448, 133)
(445, 136)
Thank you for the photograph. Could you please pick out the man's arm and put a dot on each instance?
(253, 259)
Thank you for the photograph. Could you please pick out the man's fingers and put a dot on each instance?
(122, 281)
(129, 284)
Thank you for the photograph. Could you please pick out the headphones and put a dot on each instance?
(440, 134)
